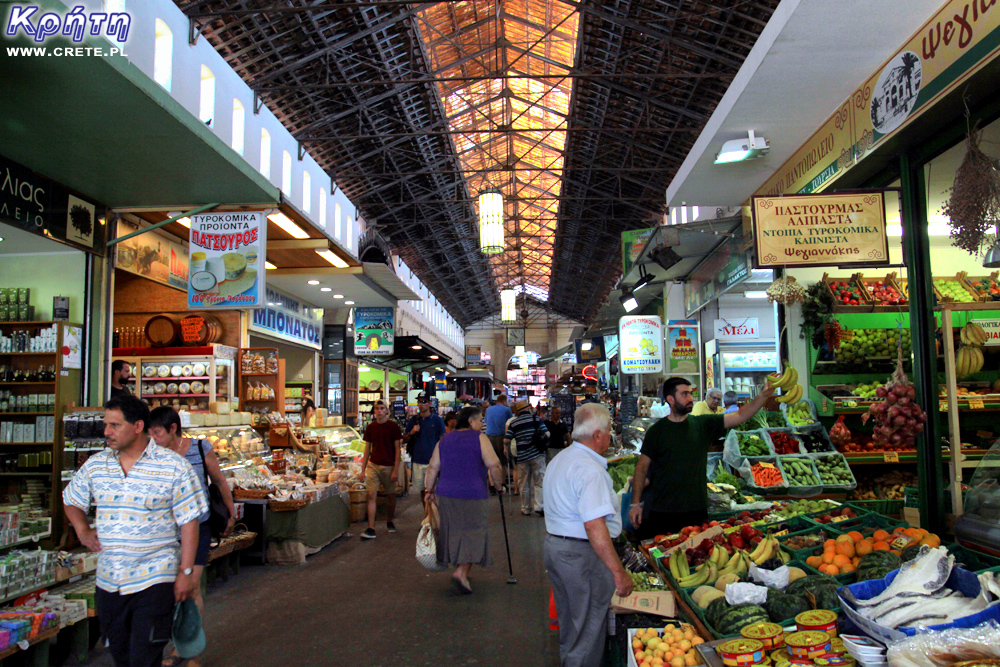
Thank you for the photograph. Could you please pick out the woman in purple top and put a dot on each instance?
(457, 478)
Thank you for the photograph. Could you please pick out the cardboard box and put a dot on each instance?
(660, 603)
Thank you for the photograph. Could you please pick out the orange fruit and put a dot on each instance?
(863, 548)
(923, 533)
(849, 567)
(844, 538)
(855, 561)
(828, 557)
(840, 560)
(846, 549)
(882, 546)
(880, 536)
(856, 536)
(814, 561)
(912, 532)
(896, 551)
(831, 570)
(931, 540)
(829, 544)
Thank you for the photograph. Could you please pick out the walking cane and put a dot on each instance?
(510, 568)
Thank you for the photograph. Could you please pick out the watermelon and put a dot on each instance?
(715, 610)
(811, 583)
(739, 616)
(781, 607)
(880, 559)
(874, 572)
(910, 552)
(823, 597)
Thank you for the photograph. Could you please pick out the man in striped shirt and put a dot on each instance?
(147, 502)
(530, 455)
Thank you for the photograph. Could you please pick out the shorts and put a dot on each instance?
(379, 478)
(499, 448)
(204, 544)
(419, 472)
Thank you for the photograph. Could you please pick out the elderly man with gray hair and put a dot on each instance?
(712, 405)
(582, 516)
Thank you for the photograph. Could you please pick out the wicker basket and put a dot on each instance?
(358, 507)
(287, 505)
(250, 494)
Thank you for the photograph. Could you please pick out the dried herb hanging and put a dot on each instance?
(817, 312)
(974, 204)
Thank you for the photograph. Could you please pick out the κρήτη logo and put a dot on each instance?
(77, 22)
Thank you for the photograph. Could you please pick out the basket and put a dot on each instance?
(250, 494)
(358, 502)
(287, 505)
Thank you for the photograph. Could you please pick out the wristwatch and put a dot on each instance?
(188, 571)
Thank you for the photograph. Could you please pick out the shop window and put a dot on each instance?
(286, 172)
(163, 54)
(336, 221)
(306, 191)
(206, 105)
(265, 154)
(239, 119)
(322, 208)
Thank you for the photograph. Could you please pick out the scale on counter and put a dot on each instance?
(979, 527)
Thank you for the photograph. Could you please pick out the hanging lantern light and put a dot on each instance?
(507, 309)
(491, 222)
(519, 350)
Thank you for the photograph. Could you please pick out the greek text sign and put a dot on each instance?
(820, 230)
(285, 317)
(374, 332)
(227, 255)
(641, 343)
(742, 329)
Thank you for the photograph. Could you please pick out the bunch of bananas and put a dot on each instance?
(720, 563)
(788, 382)
(969, 360)
(973, 334)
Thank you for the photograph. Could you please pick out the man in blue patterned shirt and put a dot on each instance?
(146, 499)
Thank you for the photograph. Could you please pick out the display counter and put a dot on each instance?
(291, 536)
(338, 439)
(235, 446)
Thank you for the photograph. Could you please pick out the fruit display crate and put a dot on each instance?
(954, 289)
(801, 554)
(974, 561)
(883, 506)
(870, 523)
(805, 402)
(733, 440)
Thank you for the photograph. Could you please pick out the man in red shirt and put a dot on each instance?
(379, 466)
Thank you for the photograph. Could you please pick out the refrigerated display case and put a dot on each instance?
(740, 366)
(185, 382)
(235, 446)
(338, 439)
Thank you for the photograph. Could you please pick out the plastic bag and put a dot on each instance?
(740, 592)
(947, 647)
(427, 540)
(775, 578)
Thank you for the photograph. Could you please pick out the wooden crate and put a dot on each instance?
(890, 280)
(970, 283)
(961, 280)
(864, 303)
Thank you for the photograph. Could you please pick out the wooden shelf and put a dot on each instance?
(28, 354)
(18, 384)
(257, 375)
(172, 378)
(37, 639)
(871, 458)
(25, 324)
(175, 395)
(26, 414)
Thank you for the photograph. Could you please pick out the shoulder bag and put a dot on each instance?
(218, 513)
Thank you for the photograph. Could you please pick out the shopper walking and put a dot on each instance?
(675, 455)
(423, 431)
(148, 501)
(165, 430)
(457, 479)
(120, 373)
(497, 417)
(712, 405)
(558, 435)
(528, 439)
(380, 466)
(582, 516)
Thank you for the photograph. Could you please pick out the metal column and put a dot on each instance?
(917, 256)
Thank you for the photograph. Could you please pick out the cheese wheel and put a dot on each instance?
(236, 265)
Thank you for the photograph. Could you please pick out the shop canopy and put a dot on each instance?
(100, 126)
(411, 353)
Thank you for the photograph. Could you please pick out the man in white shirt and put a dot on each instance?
(582, 515)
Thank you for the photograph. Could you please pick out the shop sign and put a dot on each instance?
(956, 42)
(992, 329)
(594, 354)
(41, 206)
(72, 355)
(641, 343)
(746, 329)
(820, 230)
(374, 332)
(473, 354)
(155, 255)
(633, 241)
(286, 318)
(718, 273)
(226, 260)
(683, 347)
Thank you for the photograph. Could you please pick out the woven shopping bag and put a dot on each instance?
(427, 539)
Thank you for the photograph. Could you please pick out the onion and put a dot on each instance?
(919, 428)
(894, 411)
(905, 400)
(921, 417)
(900, 421)
(881, 392)
(911, 392)
(891, 399)
(895, 438)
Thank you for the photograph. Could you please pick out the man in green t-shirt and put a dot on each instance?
(675, 456)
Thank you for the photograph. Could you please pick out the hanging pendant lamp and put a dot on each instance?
(491, 222)
(507, 306)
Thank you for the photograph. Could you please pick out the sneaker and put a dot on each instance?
(390, 526)
(369, 534)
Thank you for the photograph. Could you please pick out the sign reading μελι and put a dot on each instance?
(820, 230)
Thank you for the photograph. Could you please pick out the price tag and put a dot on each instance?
(780, 533)
(943, 406)
(655, 552)
(765, 464)
(891, 457)
(749, 499)
(23, 644)
(838, 519)
(713, 488)
(826, 405)
(976, 404)
(901, 542)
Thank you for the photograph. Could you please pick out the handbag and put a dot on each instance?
(427, 539)
(218, 513)
(538, 439)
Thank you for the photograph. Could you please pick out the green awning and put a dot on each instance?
(100, 126)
